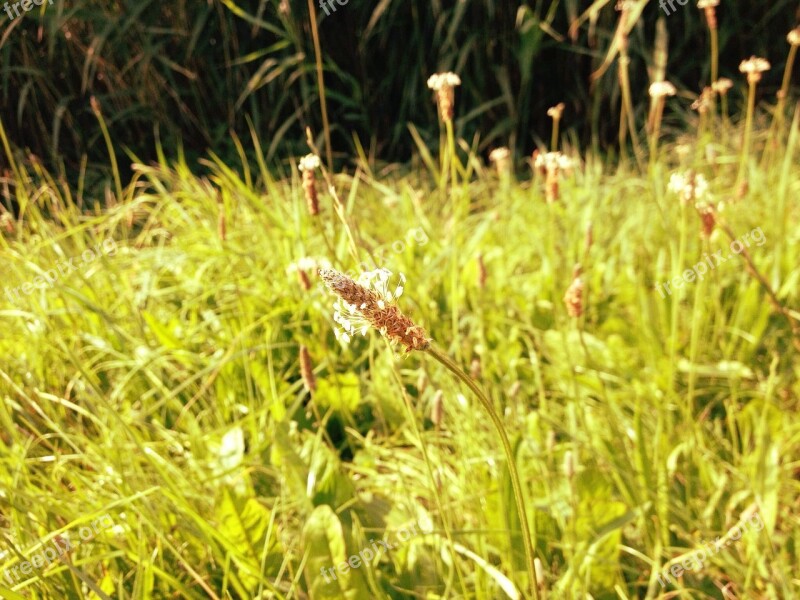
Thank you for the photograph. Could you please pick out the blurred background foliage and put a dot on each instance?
(193, 71)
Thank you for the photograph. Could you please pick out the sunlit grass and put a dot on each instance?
(161, 383)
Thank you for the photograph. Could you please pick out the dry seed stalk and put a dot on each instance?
(383, 316)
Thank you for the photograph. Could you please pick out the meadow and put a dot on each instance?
(454, 377)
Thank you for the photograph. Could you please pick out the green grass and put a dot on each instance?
(160, 383)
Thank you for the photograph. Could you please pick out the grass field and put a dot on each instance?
(173, 386)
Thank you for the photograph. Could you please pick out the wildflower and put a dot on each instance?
(475, 368)
(794, 37)
(500, 157)
(710, 7)
(754, 67)
(6, 221)
(369, 303)
(661, 89)
(707, 218)
(573, 298)
(556, 111)
(308, 164)
(722, 85)
(482, 275)
(690, 187)
(444, 85)
(303, 266)
(705, 101)
(552, 165)
(307, 370)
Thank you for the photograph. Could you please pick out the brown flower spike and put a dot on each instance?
(307, 166)
(369, 303)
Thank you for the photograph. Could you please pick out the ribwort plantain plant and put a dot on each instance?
(369, 303)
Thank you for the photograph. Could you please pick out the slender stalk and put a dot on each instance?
(321, 84)
(714, 55)
(784, 91)
(456, 219)
(554, 137)
(748, 129)
(428, 465)
(512, 467)
(659, 114)
(109, 146)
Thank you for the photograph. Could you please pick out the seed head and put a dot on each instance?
(662, 89)
(573, 298)
(475, 368)
(308, 164)
(707, 218)
(482, 274)
(722, 85)
(710, 7)
(369, 303)
(555, 112)
(754, 67)
(690, 187)
(303, 266)
(501, 159)
(6, 220)
(705, 101)
(794, 37)
(307, 370)
(444, 85)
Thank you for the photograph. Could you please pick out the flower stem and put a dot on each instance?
(512, 466)
(751, 107)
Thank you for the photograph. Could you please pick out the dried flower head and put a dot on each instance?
(7, 221)
(556, 111)
(552, 165)
(482, 274)
(444, 85)
(690, 187)
(754, 67)
(370, 303)
(707, 218)
(222, 229)
(307, 370)
(710, 7)
(662, 89)
(573, 298)
(794, 37)
(307, 166)
(552, 161)
(705, 101)
(501, 158)
(475, 368)
(303, 266)
(722, 85)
